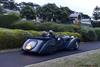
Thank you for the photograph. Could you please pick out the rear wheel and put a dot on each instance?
(76, 46)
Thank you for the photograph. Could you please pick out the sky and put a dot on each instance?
(84, 6)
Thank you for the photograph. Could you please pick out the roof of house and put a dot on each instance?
(76, 14)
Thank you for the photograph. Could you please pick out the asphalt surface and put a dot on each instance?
(17, 59)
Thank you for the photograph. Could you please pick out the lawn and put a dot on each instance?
(89, 59)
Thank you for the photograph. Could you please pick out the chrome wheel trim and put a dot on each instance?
(77, 45)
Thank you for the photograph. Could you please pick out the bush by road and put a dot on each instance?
(7, 20)
(87, 33)
(28, 25)
(97, 30)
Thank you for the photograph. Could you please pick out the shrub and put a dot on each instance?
(35, 33)
(68, 33)
(12, 38)
(26, 25)
(96, 24)
(7, 20)
(15, 38)
(97, 30)
(88, 34)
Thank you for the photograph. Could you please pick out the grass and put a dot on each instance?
(89, 60)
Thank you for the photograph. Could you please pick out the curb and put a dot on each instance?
(70, 57)
(9, 50)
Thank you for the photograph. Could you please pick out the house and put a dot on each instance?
(78, 18)
(75, 17)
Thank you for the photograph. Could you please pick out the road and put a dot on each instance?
(17, 59)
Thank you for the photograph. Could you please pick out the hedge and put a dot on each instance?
(27, 25)
(96, 24)
(97, 30)
(7, 20)
(14, 38)
(88, 34)
(69, 33)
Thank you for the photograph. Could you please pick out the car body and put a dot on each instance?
(45, 45)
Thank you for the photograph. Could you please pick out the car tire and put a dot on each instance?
(76, 46)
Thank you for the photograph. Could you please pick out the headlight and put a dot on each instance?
(30, 45)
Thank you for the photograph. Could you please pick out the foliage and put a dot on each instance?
(12, 5)
(96, 24)
(84, 16)
(1, 9)
(88, 34)
(28, 12)
(12, 38)
(47, 11)
(43, 26)
(29, 4)
(97, 30)
(9, 4)
(96, 13)
(7, 20)
(51, 12)
(68, 33)
(63, 14)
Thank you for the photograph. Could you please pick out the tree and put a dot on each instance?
(28, 13)
(1, 10)
(47, 12)
(85, 16)
(63, 14)
(50, 12)
(96, 13)
(28, 4)
(9, 4)
(12, 6)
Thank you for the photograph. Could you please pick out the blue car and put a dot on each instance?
(46, 45)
